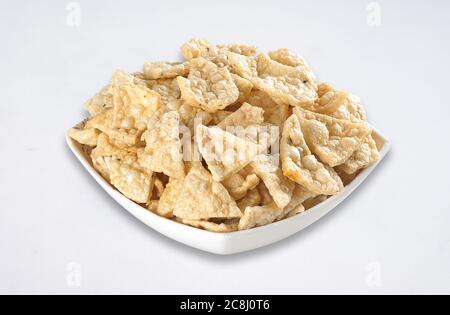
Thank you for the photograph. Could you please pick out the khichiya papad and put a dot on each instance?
(227, 139)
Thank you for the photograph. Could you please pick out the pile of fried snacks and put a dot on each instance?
(227, 140)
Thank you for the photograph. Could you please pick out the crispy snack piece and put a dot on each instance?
(85, 136)
(352, 110)
(329, 100)
(208, 86)
(247, 115)
(284, 84)
(238, 186)
(169, 91)
(225, 153)
(120, 167)
(133, 102)
(162, 152)
(131, 181)
(227, 227)
(301, 166)
(243, 66)
(101, 101)
(252, 199)
(259, 216)
(333, 140)
(124, 135)
(170, 197)
(105, 98)
(103, 153)
(241, 49)
(280, 187)
(202, 198)
(165, 70)
(339, 104)
(291, 59)
(343, 105)
(195, 48)
(366, 155)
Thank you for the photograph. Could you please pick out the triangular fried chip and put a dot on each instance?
(291, 59)
(286, 85)
(259, 216)
(100, 101)
(343, 105)
(162, 153)
(280, 187)
(330, 100)
(133, 103)
(243, 66)
(117, 135)
(202, 198)
(245, 116)
(225, 153)
(121, 168)
(366, 155)
(208, 86)
(301, 166)
(169, 91)
(170, 197)
(333, 140)
(85, 136)
(131, 181)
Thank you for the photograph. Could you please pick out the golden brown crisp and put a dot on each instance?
(280, 187)
(333, 140)
(208, 86)
(202, 198)
(301, 166)
(163, 152)
(247, 115)
(284, 84)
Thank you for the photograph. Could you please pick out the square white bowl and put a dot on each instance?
(235, 242)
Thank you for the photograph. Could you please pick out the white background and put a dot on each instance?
(391, 236)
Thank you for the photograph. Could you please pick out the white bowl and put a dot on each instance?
(236, 242)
